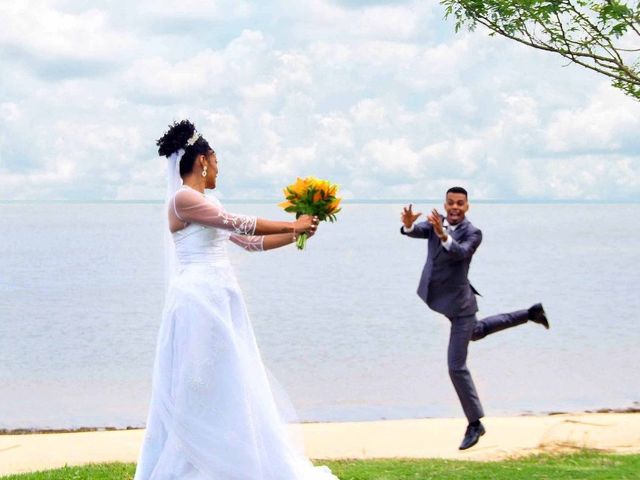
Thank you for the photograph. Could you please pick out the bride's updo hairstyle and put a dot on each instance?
(176, 138)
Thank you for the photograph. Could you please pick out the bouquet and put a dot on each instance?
(311, 196)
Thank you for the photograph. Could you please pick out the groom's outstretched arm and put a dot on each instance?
(412, 229)
(418, 230)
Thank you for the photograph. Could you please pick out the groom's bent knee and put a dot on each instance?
(477, 336)
(478, 333)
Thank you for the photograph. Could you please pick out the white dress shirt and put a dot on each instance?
(449, 229)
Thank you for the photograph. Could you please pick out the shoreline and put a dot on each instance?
(435, 438)
(108, 428)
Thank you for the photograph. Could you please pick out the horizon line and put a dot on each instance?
(351, 201)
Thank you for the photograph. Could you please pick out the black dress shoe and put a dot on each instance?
(472, 435)
(538, 315)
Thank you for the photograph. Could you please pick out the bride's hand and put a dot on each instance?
(311, 234)
(306, 223)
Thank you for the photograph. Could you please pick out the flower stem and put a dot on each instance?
(301, 241)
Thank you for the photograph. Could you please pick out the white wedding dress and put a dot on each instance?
(213, 414)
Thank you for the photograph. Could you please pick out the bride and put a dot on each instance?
(213, 414)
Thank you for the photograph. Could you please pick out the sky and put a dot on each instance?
(384, 98)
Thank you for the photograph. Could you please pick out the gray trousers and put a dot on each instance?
(463, 330)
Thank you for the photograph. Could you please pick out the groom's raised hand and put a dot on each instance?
(408, 217)
(436, 220)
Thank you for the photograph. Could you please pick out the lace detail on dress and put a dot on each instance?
(192, 206)
(242, 224)
(201, 385)
(251, 243)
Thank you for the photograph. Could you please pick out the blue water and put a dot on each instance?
(81, 292)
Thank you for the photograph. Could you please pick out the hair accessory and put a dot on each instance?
(194, 138)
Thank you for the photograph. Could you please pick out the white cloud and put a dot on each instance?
(41, 183)
(396, 22)
(392, 160)
(441, 65)
(201, 10)
(294, 70)
(609, 121)
(369, 111)
(384, 99)
(585, 177)
(286, 161)
(10, 112)
(335, 131)
(37, 29)
(226, 127)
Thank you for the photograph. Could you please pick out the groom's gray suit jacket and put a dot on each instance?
(444, 285)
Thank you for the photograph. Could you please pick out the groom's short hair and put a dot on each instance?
(457, 190)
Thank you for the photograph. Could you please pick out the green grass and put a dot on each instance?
(584, 465)
(103, 471)
(577, 466)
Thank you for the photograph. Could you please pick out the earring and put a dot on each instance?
(204, 172)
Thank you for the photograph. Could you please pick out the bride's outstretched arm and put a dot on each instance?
(277, 241)
(251, 243)
(191, 207)
(255, 243)
(281, 240)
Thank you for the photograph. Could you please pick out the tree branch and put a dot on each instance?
(532, 43)
(598, 31)
(626, 20)
(584, 32)
(487, 23)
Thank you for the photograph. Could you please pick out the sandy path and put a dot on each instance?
(424, 438)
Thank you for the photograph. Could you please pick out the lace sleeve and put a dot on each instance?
(251, 243)
(192, 207)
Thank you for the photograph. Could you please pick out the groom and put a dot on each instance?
(445, 288)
